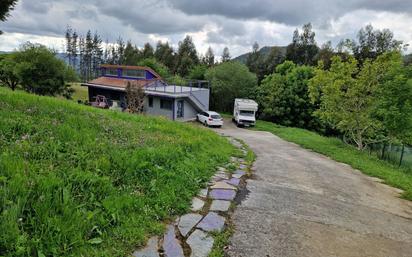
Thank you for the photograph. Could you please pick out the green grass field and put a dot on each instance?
(339, 151)
(79, 181)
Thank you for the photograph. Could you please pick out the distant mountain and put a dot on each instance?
(265, 51)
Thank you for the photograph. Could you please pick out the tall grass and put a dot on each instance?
(339, 151)
(78, 181)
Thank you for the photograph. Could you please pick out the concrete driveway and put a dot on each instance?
(301, 203)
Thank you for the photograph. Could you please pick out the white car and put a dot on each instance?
(210, 119)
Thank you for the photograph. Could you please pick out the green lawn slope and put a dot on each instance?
(79, 181)
(339, 151)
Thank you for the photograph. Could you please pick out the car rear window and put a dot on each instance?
(215, 116)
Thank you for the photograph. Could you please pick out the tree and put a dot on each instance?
(165, 54)
(209, 58)
(325, 54)
(283, 97)
(368, 103)
(198, 72)
(229, 80)
(147, 51)
(132, 54)
(135, 98)
(9, 72)
(393, 105)
(40, 71)
(96, 55)
(371, 43)
(186, 57)
(226, 55)
(303, 49)
(119, 52)
(274, 58)
(158, 67)
(5, 7)
(69, 44)
(255, 62)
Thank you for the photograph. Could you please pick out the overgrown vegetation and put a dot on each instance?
(339, 151)
(79, 181)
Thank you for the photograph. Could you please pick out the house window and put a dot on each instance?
(166, 104)
(134, 74)
(180, 109)
(111, 72)
(150, 101)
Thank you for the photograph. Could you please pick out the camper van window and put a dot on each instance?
(247, 113)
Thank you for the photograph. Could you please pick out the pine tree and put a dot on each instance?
(120, 51)
(187, 57)
(148, 51)
(226, 55)
(88, 53)
(165, 54)
(97, 54)
(74, 49)
(82, 65)
(69, 45)
(131, 54)
(209, 58)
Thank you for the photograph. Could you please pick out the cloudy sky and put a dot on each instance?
(215, 23)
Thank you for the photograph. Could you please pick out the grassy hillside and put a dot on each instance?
(79, 181)
(339, 151)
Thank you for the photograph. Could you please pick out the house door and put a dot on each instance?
(180, 108)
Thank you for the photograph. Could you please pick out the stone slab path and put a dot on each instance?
(210, 213)
(304, 204)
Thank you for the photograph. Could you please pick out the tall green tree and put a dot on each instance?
(303, 50)
(164, 53)
(209, 58)
(393, 105)
(5, 7)
(120, 47)
(326, 52)
(132, 54)
(346, 99)
(274, 58)
(186, 57)
(367, 103)
(255, 62)
(229, 80)
(148, 51)
(371, 43)
(283, 96)
(226, 55)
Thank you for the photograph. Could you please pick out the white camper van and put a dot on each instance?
(244, 112)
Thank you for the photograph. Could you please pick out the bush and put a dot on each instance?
(230, 80)
(37, 70)
(284, 97)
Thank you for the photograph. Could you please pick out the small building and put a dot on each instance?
(176, 102)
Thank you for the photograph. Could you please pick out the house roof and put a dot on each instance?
(118, 82)
(127, 67)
